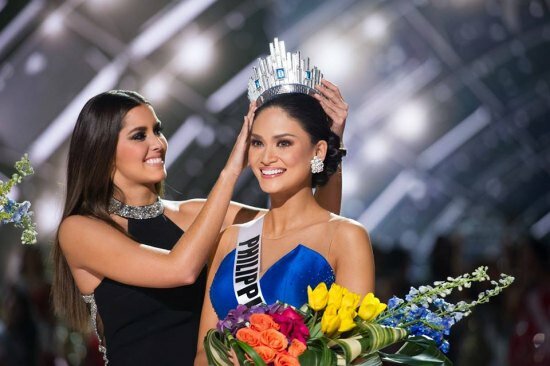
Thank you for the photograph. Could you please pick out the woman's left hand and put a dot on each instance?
(334, 105)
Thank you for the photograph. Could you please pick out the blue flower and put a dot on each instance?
(444, 347)
(439, 303)
(394, 302)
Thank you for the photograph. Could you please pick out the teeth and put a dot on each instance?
(154, 161)
(272, 171)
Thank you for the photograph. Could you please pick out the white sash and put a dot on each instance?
(246, 268)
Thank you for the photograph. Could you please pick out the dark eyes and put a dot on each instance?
(255, 143)
(280, 143)
(140, 136)
(284, 143)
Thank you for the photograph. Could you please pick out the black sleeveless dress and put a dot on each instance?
(146, 326)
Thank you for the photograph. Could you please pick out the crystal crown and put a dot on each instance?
(282, 72)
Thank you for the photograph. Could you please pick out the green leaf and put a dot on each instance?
(258, 361)
(376, 336)
(216, 350)
(318, 353)
(418, 351)
(315, 331)
(368, 360)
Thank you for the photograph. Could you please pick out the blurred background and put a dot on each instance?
(448, 138)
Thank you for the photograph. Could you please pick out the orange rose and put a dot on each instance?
(249, 336)
(267, 354)
(296, 348)
(284, 359)
(261, 322)
(274, 339)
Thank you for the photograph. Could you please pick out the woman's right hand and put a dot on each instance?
(237, 160)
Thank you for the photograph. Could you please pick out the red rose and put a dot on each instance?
(300, 332)
(292, 325)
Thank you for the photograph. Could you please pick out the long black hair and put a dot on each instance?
(90, 185)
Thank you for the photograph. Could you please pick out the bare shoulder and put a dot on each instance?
(187, 207)
(242, 213)
(227, 242)
(75, 224)
(76, 229)
(349, 232)
(228, 237)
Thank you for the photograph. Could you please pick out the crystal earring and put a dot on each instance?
(317, 165)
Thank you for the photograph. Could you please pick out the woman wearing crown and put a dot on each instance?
(297, 242)
(122, 250)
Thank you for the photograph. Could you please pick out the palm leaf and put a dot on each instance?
(258, 361)
(318, 353)
(369, 360)
(418, 351)
(216, 350)
(376, 336)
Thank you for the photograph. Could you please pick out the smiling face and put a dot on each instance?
(140, 150)
(280, 152)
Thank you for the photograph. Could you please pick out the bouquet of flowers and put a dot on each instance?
(14, 212)
(337, 327)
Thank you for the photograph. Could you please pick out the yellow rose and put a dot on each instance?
(350, 299)
(346, 316)
(335, 295)
(370, 307)
(317, 299)
(330, 322)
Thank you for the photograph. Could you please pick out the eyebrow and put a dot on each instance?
(276, 136)
(144, 128)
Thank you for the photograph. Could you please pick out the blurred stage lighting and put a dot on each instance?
(102, 5)
(14, 192)
(47, 212)
(53, 25)
(36, 63)
(375, 27)
(195, 55)
(235, 20)
(183, 137)
(409, 121)
(417, 190)
(156, 89)
(206, 137)
(351, 181)
(376, 149)
(334, 58)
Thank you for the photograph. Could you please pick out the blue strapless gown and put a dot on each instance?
(285, 281)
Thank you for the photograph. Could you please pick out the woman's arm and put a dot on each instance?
(354, 259)
(330, 195)
(92, 246)
(237, 213)
(209, 319)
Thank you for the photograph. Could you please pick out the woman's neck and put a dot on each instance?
(139, 196)
(288, 213)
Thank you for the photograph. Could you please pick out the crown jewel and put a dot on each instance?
(282, 72)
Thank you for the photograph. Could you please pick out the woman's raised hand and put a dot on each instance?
(237, 160)
(334, 105)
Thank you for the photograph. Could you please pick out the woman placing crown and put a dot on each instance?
(148, 296)
(297, 242)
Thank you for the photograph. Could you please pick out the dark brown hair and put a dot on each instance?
(90, 186)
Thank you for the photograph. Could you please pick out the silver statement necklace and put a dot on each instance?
(136, 212)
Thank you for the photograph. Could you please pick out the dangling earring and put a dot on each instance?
(317, 165)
